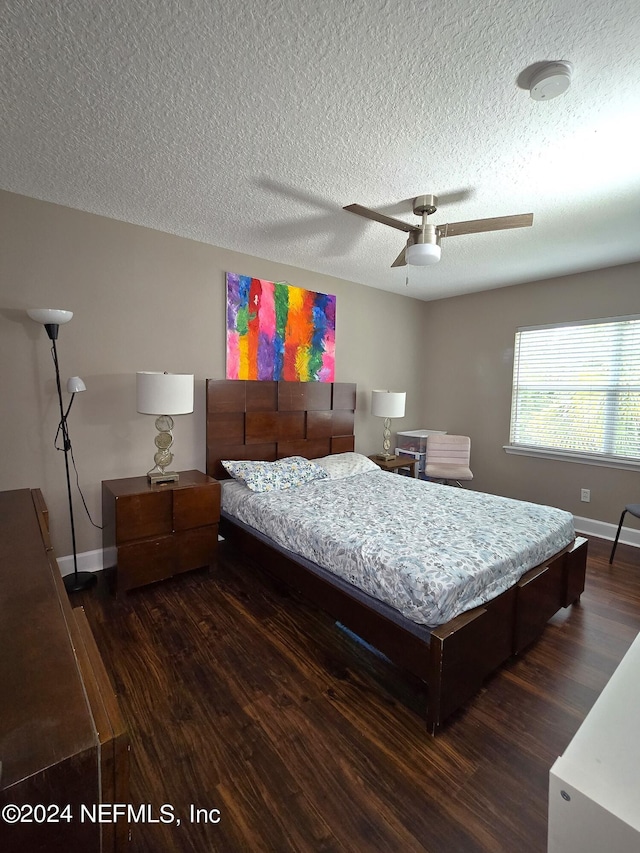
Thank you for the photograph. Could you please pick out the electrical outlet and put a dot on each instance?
(585, 495)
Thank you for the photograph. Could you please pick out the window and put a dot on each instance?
(576, 391)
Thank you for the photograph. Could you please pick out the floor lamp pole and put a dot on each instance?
(78, 580)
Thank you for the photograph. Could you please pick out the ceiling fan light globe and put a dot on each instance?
(423, 254)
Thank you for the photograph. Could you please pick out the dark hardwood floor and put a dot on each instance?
(242, 698)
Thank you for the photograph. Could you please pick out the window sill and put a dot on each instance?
(568, 456)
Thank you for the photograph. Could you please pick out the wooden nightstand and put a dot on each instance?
(160, 531)
(396, 464)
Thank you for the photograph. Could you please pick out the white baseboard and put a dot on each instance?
(604, 530)
(88, 561)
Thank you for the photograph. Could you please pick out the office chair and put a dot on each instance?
(448, 458)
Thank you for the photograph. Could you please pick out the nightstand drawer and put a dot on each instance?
(144, 562)
(196, 506)
(143, 516)
(197, 547)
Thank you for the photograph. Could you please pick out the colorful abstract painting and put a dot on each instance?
(278, 331)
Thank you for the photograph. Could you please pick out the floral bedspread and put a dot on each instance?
(430, 551)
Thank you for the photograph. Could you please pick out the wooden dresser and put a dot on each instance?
(62, 738)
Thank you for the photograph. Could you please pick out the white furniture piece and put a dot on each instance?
(594, 788)
(413, 443)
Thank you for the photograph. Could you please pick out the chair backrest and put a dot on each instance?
(448, 449)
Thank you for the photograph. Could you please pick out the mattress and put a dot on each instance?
(429, 551)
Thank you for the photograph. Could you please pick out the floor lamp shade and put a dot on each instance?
(49, 315)
(164, 395)
(51, 319)
(75, 384)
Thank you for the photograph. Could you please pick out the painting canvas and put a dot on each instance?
(278, 331)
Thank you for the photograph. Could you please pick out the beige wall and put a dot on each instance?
(467, 384)
(144, 300)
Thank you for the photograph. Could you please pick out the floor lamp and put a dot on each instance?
(52, 319)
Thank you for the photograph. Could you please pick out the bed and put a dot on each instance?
(451, 646)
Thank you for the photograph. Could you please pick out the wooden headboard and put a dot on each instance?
(269, 420)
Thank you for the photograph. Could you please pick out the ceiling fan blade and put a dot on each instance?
(400, 261)
(380, 217)
(476, 226)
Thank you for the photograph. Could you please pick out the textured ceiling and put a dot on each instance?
(249, 125)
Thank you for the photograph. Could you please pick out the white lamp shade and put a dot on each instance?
(75, 384)
(164, 393)
(53, 316)
(388, 404)
(422, 254)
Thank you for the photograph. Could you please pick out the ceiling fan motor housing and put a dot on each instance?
(425, 204)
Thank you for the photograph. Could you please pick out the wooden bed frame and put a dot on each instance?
(270, 420)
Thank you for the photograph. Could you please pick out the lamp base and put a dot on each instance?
(78, 581)
(386, 457)
(157, 478)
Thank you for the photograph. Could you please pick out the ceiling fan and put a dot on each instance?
(423, 244)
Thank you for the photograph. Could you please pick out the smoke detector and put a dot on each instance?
(550, 80)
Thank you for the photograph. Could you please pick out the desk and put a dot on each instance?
(397, 463)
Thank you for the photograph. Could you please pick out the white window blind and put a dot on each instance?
(576, 388)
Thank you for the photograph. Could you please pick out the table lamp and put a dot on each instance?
(164, 395)
(387, 405)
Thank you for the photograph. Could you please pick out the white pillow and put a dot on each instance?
(271, 476)
(340, 465)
